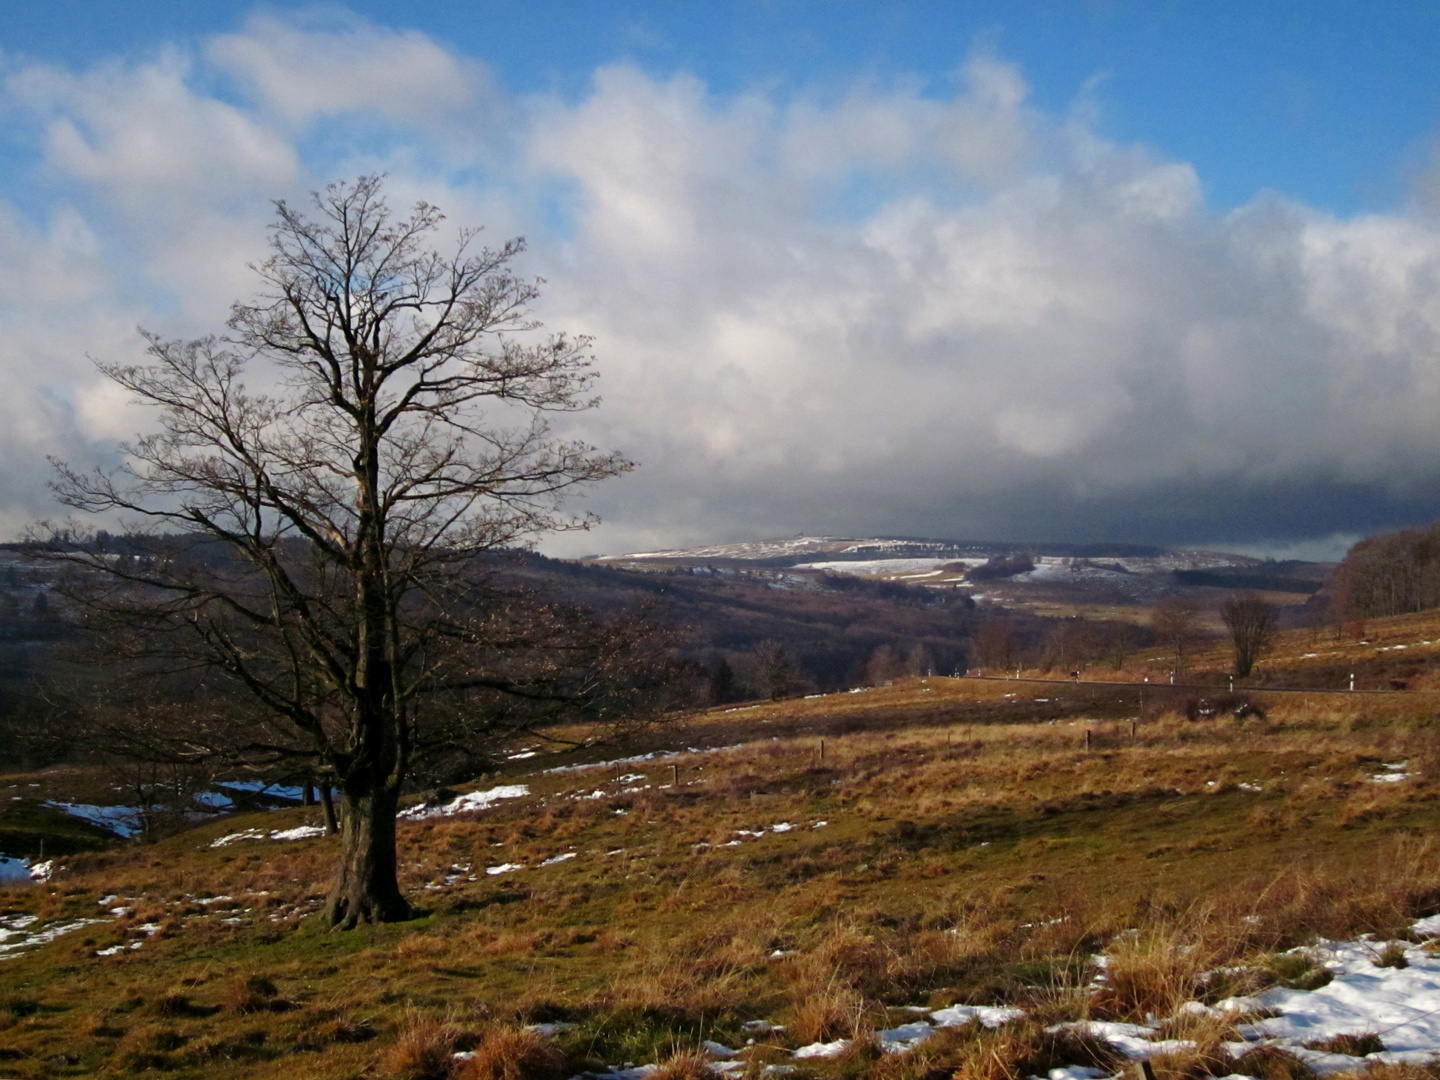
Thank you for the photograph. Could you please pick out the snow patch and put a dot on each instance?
(823, 1049)
(465, 804)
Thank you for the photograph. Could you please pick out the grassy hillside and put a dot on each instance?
(822, 864)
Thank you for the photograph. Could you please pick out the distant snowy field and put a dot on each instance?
(886, 566)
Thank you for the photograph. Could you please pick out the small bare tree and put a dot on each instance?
(1251, 620)
(1069, 645)
(318, 544)
(776, 670)
(883, 666)
(997, 644)
(1176, 622)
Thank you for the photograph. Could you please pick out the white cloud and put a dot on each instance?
(891, 308)
(1081, 323)
(307, 69)
(142, 133)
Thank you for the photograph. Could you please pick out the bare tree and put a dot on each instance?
(776, 670)
(1251, 619)
(318, 544)
(1070, 644)
(997, 643)
(883, 666)
(1176, 622)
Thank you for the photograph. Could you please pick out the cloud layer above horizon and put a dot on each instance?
(873, 308)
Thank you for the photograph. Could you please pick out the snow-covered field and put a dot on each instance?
(886, 566)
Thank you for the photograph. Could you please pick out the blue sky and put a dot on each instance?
(1333, 103)
(1157, 272)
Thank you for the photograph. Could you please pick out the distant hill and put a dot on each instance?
(793, 551)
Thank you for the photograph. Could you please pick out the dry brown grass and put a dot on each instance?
(1017, 1051)
(827, 1013)
(685, 1067)
(1272, 1063)
(423, 1050)
(514, 1053)
(1151, 972)
(251, 994)
(970, 861)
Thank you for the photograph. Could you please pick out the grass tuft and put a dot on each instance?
(1271, 1063)
(1392, 956)
(18, 1005)
(423, 1051)
(515, 1053)
(254, 994)
(1367, 1042)
(685, 1067)
(1017, 1051)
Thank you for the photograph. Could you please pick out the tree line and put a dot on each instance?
(1393, 574)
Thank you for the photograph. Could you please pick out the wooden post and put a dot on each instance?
(822, 752)
(1132, 731)
(1087, 738)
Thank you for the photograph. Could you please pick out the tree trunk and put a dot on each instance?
(327, 803)
(366, 889)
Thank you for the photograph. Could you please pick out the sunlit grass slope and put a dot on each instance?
(953, 842)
